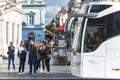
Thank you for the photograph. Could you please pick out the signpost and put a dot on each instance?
(62, 51)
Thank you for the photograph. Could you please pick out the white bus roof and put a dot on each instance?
(115, 6)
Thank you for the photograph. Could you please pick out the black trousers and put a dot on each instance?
(47, 63)
(22, 63)
(43, 64)
(41, 60)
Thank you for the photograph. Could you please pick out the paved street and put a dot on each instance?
(57, 72)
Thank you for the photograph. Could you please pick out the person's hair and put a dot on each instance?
(37, 44)
(21, 43)
(32, 40)
(48, 45)
(11, 43)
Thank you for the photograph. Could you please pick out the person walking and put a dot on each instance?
(32, 57)
(42, 57)
(47, 57)
(22, 57)
(38, 56)
(11, 50)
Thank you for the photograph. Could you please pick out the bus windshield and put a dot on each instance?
(95, 30)
(101, 29)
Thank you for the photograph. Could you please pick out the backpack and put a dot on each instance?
(18, 53)
(23, 54)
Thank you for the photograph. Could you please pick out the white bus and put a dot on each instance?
(96, 45)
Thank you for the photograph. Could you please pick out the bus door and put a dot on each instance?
(75, 64)
(76, 57)
(94, 48)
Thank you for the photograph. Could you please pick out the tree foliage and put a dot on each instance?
(51, 27)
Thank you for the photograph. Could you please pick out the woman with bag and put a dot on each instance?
(38, 56)
(22, 57)
(41, 56)
(47, 57)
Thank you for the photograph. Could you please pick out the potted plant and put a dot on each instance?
(55, 58)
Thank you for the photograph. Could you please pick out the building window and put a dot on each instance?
(31, 2)
(31, 19)
(24, 2)
(23, 23)
(39, 2)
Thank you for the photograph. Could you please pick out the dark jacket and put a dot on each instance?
(11, 50)
(40, 53)
(33, 51)
(47, 50)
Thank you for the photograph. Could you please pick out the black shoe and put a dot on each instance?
(30, 73)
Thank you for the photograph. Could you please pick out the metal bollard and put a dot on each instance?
(0, 59)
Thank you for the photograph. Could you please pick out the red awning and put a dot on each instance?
(60, 28)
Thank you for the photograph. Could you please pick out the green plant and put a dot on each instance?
(55, 56)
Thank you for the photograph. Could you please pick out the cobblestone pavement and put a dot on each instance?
(57, 72)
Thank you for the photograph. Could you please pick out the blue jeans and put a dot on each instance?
(33, 62)
(11, 58)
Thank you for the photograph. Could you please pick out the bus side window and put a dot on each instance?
(99, 37)
(94, 38)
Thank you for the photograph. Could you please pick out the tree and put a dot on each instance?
(51, 27)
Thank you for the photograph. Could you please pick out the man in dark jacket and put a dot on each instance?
(32, 57)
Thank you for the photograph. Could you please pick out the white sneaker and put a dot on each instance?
(34, 74)
(41, 70)
(8, 71)
(37, 71)
(23, 73)
(14, 71)
(19, 73)
(48, 73)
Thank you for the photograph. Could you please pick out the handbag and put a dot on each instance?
(7, 52)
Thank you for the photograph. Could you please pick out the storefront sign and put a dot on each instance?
(31, 35)
(60, 28)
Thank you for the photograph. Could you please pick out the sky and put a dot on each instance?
(53, 6)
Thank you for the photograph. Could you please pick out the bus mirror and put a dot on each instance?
(89, 15)
(70, 22)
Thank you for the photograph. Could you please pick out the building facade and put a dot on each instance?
(73, 7)
(10, 24)
(33, 23)
(61, 17)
